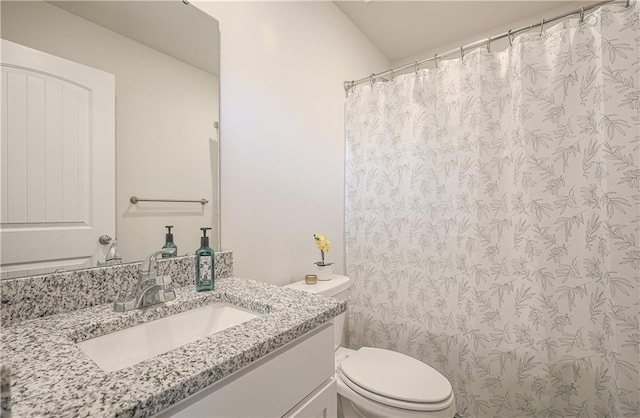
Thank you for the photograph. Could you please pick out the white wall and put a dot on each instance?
(165, 113)
(282, 131)
(496, 45)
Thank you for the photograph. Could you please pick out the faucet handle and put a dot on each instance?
(150, 264)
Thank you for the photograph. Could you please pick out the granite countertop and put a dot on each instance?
(50, 375)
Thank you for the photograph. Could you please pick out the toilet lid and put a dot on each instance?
(396, 376)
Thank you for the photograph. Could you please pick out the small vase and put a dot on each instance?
(323, 272)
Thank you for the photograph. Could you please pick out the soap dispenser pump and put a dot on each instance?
(205, 264)
(169, 243)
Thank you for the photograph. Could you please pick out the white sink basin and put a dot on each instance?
(129, 346)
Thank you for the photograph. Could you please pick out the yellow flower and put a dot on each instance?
(322, 243)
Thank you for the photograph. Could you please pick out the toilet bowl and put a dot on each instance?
(374, 382)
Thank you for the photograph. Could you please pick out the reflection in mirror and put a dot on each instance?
(61, 149)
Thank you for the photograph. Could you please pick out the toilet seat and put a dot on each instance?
(395, 380)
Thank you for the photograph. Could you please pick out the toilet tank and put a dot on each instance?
(337, 287)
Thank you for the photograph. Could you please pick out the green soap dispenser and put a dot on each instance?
(205, 264)
(169, 243)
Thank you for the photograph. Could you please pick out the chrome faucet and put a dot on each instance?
(151, 288)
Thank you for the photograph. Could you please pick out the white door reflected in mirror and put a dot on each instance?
(58, 160)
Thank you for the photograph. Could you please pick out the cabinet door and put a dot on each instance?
(322, 403)
(271, 386)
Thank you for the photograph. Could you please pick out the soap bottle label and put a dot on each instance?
(205, 270)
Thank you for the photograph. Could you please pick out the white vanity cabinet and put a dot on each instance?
(296, 380)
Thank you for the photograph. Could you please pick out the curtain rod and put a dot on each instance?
(348, 85)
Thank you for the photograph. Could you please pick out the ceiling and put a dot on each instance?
(399, 29)
(174, 28)
(404, 29)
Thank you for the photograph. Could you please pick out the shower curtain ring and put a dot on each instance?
(393, 74)
(371, 79)
(462, 53)
(489, 44)
(542, 28)
(581, 15)
(417, 67)
(510, 38)
(435, 60)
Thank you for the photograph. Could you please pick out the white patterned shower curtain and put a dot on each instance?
(492, 220)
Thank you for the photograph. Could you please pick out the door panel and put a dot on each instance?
(36, 150)
(58, 168)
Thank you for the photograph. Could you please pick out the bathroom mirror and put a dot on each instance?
(164, 58)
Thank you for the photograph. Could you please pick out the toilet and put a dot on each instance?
(374, 382)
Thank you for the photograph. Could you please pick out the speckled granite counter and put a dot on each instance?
(51, 376)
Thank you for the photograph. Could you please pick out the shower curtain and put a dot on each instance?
(493, 221)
